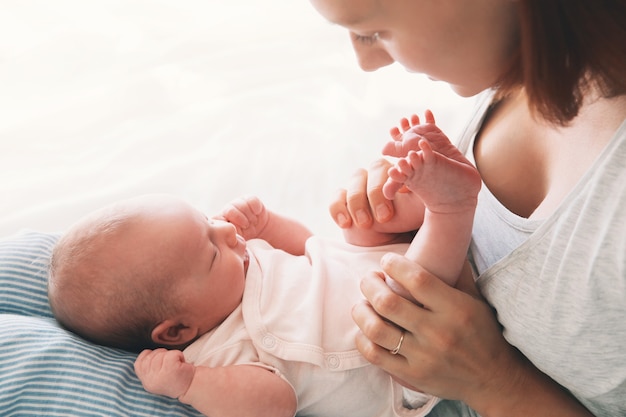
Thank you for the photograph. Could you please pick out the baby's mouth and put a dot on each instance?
(246, 261)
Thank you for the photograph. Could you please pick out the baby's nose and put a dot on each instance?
(228, 232)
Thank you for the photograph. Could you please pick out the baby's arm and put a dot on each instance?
(254, 220)
(237, 390)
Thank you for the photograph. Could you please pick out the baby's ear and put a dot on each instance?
(173, 333)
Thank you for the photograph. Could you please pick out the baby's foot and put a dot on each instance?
(402, 140)
(406, 138)
(405, 125)
(444, 184)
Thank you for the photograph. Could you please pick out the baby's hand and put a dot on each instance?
(248, 214)
(164, 372)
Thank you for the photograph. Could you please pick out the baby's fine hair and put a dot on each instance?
(96, 296)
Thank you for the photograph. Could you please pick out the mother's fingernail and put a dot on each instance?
(382, 212)
(362, 217)
(386, 259)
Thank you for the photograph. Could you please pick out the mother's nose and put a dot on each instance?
(371, 57)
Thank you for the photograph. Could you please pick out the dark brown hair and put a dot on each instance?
(566, 47)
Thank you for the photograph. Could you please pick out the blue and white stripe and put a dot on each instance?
(47, 371)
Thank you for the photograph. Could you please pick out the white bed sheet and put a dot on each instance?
(106, 99)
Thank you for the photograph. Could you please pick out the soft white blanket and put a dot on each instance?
(106, 99)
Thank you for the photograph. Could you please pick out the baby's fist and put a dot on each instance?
(164, 372)
(248, 214)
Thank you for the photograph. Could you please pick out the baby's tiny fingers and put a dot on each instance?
(233, 215)
(255, 204)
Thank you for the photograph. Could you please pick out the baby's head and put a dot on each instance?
(146, 272)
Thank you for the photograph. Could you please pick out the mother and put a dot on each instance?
(549, 241)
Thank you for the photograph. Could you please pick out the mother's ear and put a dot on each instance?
(173, 333)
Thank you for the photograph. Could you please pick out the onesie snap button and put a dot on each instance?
(269, 342)
(333, 361)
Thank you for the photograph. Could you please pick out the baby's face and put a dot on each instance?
(206, 257)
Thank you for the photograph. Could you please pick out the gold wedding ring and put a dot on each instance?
(395, 350)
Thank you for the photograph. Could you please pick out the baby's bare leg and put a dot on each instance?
(449, 190)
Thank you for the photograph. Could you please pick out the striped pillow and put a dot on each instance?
(45, 370)
(23, 273)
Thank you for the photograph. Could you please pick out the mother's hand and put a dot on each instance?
(452, 347)
(367, 217)
(362, 203)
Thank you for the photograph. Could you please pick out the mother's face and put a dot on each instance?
(467, 43)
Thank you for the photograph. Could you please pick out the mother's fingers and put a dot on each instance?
(389, 304)
(382, 333)
(357, 199)
(364, 195)
(339, 210)
(378, 339)
(380, 356)
(382, 208)
(427, 289)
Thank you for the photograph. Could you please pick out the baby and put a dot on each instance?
(261, 308)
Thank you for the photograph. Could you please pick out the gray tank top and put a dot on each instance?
(558, 285)
(497, 231)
